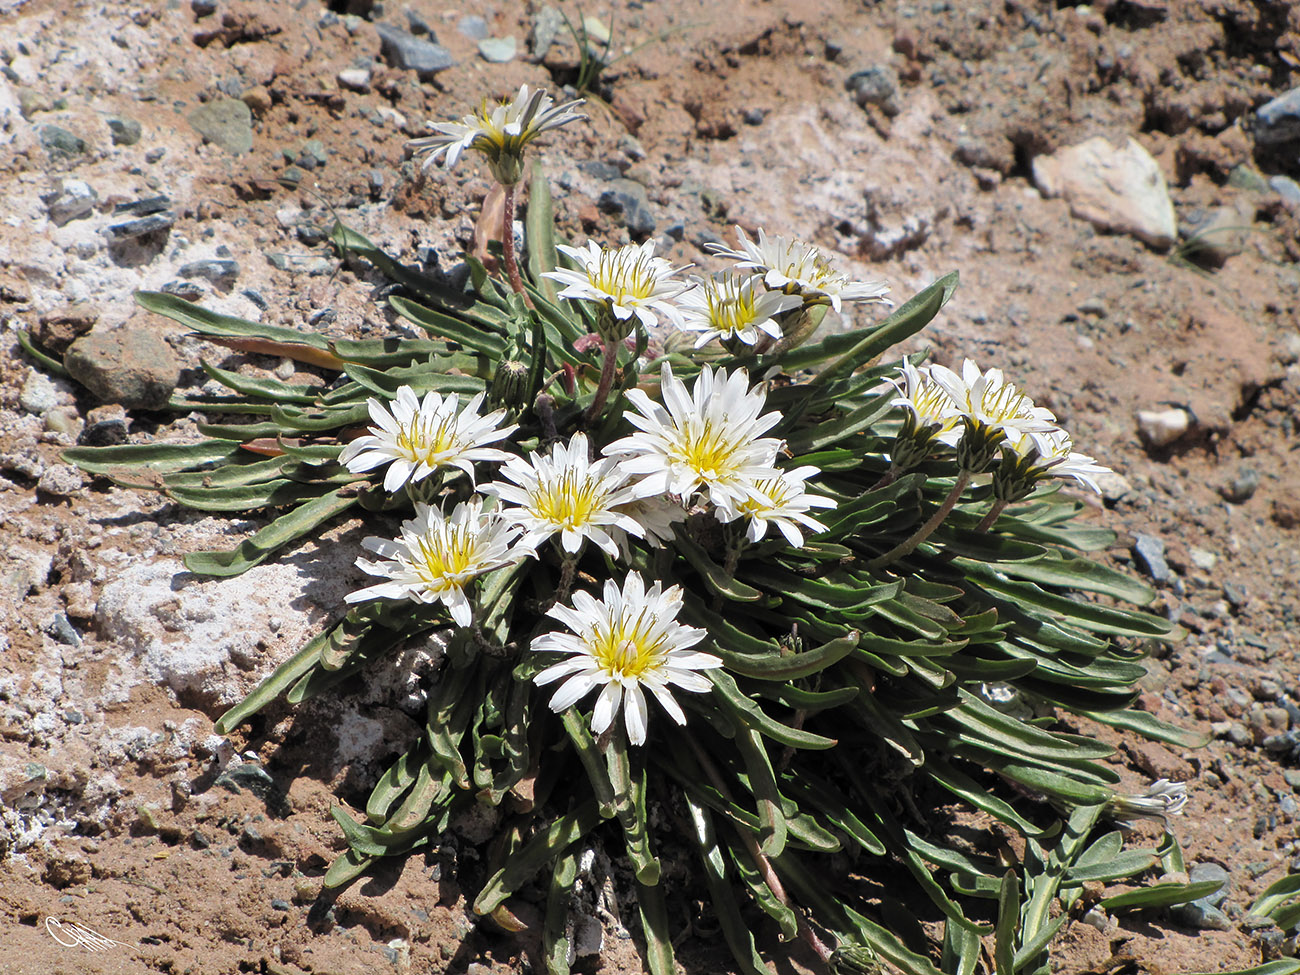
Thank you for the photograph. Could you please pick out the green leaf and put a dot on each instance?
(753, 717)
(776, 666)
(346, 868)
(540, 228)
(715, 577)
(211, 323)
(1004, 934)
(285, 529)
(259, 388)
(555, 941)
(1281, 966)
(284, 677)
(1149, 726)
(478, 336)
(47, 362)
(1275, 895)
(1160, 895)
(1118, 867)
(160, 458)
(563, 833)
(654, 922)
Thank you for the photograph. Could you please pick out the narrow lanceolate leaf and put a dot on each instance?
(1160, 895)
(778, 666)
(537, 852)
(160, 458)
(285, 529)
(478, 336)
(555, 941)
(736, 932)
(658, 934)
(540, 224)
(284, 677)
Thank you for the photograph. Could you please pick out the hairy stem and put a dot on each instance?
(987, 521)
(926, 530)
(508, 241)
(606, 382)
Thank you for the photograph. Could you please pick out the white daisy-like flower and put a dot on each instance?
(499, 131)
(990, 401)
(566, 493)
(436, 557)
(626, 643)
(709, 440)
(728, 308)
(781, 501)
(627, 281)
(799, 268)
(1051, 453)
(1160, 800)
(419, 436)
(928, 402)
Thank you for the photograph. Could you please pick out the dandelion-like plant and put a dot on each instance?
(784, 615)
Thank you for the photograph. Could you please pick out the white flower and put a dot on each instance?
(628, 641)
(499, 131)
(419, 437)
(781, 501)
(799, 268)
(710, 440)
(436, 556)
(727, 308)
(566, 493)
(928, 402)
(1160, 800)
(1053, 456)
(627, 281)
(991, 401)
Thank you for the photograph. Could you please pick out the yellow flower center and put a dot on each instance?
(626, 651)
(731, 308)
(445, 558)
(706, 451)
(421, 439)
(1002, 403)
(567, 502)
(620, 278)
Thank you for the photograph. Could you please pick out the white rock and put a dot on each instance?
(1113, 485)
(1118, 189)
(357, 79)
(1160, 428)
(39, 394)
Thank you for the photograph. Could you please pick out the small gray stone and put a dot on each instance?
(497, 50)
(1203, 558)
(157, 223)
(1150, 554)
(225, 122)
(59, 628)
(1201, 917)
(130, 366)
(301, 263)
(189, 290)
(410, 53)
(628, 197)
(1288, 189)
(1236, 595)
(355, 79)
(876, 85)
(1278, 121)
(1242, 487)
(144, 206)
(546, 28)
(104, 433)
(39, 395)
(313, 149)
(61, 480)
(1202, 872)
(1093, 306)
(473, 26)
(418, 25)
(60, 143)
(221, 273)
(75, 199)
(1292, 777)
(203, 8)
(125, 131)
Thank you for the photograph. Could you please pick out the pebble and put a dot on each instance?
(1150, 554)
(225, 122)
(60, 143)
(61, 629)
(221, 273)
(628, 197)
(1160, 428)
(546, 28)
(125, 131)
(128, 366)
(301, 263)
(157, 223)
(1214, 235)
(473, 26)
(1278, 121)
(1203, 559)
(876, 85)
(497, 50)
(74, 200)
(1236, 595)
(354, 79)
(39, 395)
(410, 53)
(1242, 487)
(1288, 189)
(144, 206)
(1119, 189)
(1113, 485)
(418, 25)
(203, 8)
(104, 433)
(1093, 306)
(188, 290)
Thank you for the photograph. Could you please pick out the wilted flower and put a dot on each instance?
(499, 131)
(625, 282)
(567, 494)
(436, 556)
(656, 515)
(799, 268)
(1160, 800)
(709, 440)
(782, 501)
(728, 309)
(628, 641)
(418, 437)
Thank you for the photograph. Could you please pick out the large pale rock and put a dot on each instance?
(1117, 189)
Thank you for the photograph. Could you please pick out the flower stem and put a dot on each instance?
(926, 530)
(987, 521)
(508, 240)
(568, 567)
(606, 382)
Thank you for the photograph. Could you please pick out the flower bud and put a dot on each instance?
(509, 384)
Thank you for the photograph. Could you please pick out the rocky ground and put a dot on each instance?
(1115, 183)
